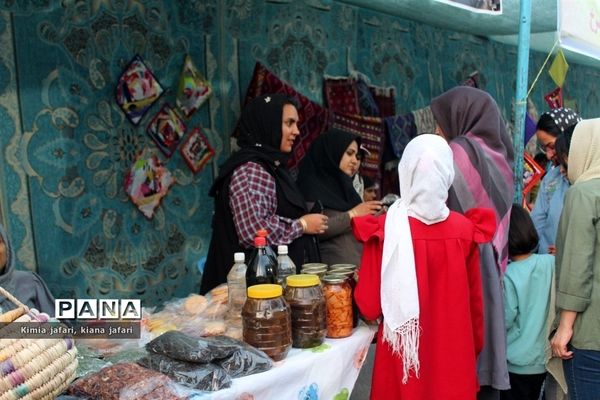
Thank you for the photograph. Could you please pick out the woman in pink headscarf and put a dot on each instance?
(471, 122)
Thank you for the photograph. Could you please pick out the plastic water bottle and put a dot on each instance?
(236, 284)
(262, 268)
(285, 265)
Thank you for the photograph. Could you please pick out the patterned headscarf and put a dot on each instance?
(563, 117)
(483, 157)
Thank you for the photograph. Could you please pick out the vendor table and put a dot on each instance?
(327, 372)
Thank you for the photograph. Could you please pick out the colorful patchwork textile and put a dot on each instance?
(424, 120)
(166, 129)
(193, 89)
(196, 150)
(400, 130)
(147, 182)
(313, 117)
(341, 95)
(371, 131)
(137, 90)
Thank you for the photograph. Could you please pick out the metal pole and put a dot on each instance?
(521, 96)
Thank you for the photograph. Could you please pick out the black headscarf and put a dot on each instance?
(320, 176)
(260, 141)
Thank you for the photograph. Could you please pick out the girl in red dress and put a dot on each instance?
(420, 274)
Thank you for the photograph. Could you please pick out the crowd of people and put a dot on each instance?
(465, 283)
(475, 296)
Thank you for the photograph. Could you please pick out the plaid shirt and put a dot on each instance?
(253, 202)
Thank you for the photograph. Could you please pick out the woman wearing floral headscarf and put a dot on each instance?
(577, 339)
(550, 197)
(471, 122)
(420, 272)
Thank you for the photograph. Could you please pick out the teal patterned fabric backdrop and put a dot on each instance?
(66, 144)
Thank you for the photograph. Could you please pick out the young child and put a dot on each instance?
(420, 270)
(26, 286)
(527, 284)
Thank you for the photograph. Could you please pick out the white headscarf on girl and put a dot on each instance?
(426, 172)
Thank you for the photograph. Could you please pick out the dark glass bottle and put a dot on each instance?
(262, 268)
(270, 251)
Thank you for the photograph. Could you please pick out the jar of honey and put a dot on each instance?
(266, 321)
(305, 297)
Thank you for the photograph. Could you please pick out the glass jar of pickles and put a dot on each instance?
(266, 321)
(305, 297)
(338, 302)
(350, 277)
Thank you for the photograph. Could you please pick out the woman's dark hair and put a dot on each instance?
(522, 236)
(541, 159)
(546, 123)
(562, 146)
(368, 182)
(292, 101)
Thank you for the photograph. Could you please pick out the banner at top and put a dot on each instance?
(579, 26)
(479, 6)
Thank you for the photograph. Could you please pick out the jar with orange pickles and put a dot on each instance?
(338, 302)
(350, 277)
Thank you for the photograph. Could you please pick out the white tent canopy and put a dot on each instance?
(503, 28)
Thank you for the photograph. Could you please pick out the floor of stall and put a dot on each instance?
(362, 387)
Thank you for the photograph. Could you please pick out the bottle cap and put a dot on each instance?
(334, 279)
(239, 257)
(345, 266)
(262, 233)
(282, 249)
(260, 241)
(265, 291)
(303, 280)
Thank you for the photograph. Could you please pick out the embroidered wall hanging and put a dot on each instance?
(193, 89)
(147, 182)
(137, 90)
(196, 150)
(166, 129)
(341, 95)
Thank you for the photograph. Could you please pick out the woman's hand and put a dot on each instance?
(366, 208)
(563, 335)
(314, 223)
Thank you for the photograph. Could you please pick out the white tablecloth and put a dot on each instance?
(325, 372)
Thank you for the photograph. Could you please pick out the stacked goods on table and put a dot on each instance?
(173, 366)
(32, 368)
(196, 315)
